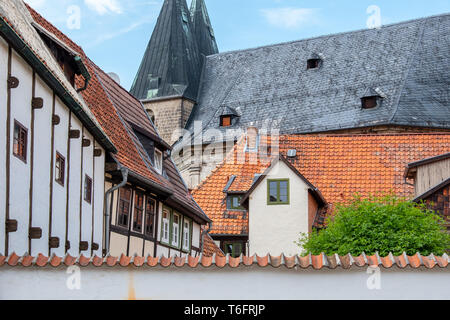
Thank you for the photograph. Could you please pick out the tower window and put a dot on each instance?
(313, 63)
(369, 102)
(225, 121)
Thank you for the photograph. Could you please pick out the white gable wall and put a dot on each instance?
(49, 199)
(41, 171)
(20, 171)
(274, 228)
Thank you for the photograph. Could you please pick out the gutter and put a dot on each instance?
(124, 172)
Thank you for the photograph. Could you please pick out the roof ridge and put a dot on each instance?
(329, 35)
(408, 69)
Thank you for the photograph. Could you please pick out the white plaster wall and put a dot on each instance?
(20, 171)
(274, 228)
(86, 216)
(118, 244)
(136, 246)
(149, 248)
(245, 283)
(99, 195)
(75, 188)
(162, 251)
(59, 192)
(41, 171)
(3, 99)
(196, 234)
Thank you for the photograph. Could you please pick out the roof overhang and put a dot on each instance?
(411, 168)
(428, 193)
(312, 189)
(53, 82)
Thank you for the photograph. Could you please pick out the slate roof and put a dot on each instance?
(409, 63)
(172, 55)
(338, 165)
(118, 112)
(203, 30)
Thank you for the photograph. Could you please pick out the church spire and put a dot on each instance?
(203, 30)
(171, 64)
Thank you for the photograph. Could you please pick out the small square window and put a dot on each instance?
(234, 202)
(87, 189)
(20, 141)
(369, 102)
(60, 165)
(278, 191)
(313, 63)
(225, 121)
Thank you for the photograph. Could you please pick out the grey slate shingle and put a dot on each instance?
(408, 62)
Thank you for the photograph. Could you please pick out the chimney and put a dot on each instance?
(252, 139)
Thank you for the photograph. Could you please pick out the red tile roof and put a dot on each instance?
(338, 165)
(117, 110)
(219, 261)
(210, 248)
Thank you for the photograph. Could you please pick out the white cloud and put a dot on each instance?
(108, 36)
(104, 6)
(290, 18)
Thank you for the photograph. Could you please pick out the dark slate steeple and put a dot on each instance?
(171, 65)
(203, 30)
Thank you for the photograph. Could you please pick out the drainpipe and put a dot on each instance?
(203, 237)
(124, 172)
(84, 73)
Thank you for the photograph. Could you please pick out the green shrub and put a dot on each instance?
(379, 224)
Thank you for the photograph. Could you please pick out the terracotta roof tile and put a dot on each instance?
(115, 108)
(220, 261)
(338, 165)
(210, 248)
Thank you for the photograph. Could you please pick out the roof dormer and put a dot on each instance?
(68, 59)
(372, 98)
(315, 61)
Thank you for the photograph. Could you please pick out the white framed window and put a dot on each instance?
(176, 230)
(165, 225)
(158, 160)
(186, 235)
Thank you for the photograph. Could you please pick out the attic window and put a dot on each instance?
(369, 102)
(313, 63)
(225, 121)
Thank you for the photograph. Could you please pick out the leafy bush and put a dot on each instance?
(379, 224)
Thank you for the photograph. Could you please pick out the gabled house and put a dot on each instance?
(148, 208)
(53, 148)
(431, 178)
(281, 203)
(258, 205)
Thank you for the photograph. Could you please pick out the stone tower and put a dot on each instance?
(168, 78)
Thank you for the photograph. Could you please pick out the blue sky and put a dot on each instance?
(115, 33)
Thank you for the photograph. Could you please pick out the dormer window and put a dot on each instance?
(313, 63)
(225, 121)
(369, 102)
(158, 161)
(372, 98)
